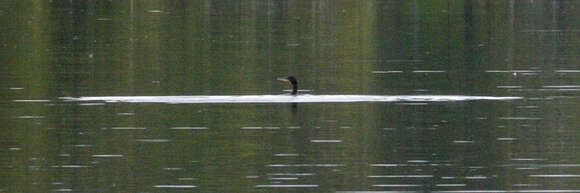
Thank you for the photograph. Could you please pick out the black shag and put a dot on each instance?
(292, 81)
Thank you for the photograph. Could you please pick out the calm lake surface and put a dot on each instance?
(53, 52)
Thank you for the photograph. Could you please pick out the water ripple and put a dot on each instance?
(287, 186)
(175, 186)
(189, 128)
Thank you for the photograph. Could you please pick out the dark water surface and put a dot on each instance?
(425, 50)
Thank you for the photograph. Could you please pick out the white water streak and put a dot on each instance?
(283, 98)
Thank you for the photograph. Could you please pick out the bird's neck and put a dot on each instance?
(294, 89)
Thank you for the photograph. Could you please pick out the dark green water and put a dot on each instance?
(52, 49)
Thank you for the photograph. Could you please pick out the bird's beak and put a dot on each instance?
(283, 79)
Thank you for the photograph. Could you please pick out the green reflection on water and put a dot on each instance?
(52, 49)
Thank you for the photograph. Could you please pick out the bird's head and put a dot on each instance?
(292, 81)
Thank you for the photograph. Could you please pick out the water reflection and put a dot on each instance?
(426, 112)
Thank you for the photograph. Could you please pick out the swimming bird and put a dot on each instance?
(292, 81)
